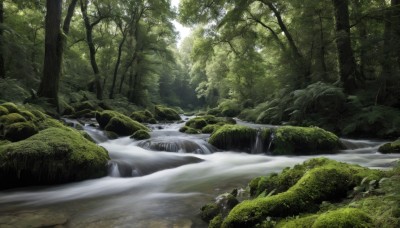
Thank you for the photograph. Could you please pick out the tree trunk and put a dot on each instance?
(322, 50)
(121, 44)
(68, 17)
(53, 52)
(2, 66)
(297, 56)
(347, 62)
(92, 50)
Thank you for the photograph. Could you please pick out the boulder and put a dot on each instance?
(118, 123)
(390, 148)
(166, 114)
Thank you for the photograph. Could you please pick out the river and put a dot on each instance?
(147, 188)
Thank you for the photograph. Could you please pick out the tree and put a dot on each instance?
(53, 52)
(347, 63)
(2, 67)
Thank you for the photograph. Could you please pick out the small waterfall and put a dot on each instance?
(113, 170)
(271, 139)
(258, 146)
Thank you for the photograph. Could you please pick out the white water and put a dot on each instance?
(166, 190)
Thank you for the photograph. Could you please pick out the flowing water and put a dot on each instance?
(147, 187)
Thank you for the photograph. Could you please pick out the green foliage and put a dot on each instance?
(54, 155)
(304, 140)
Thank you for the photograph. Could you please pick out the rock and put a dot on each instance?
(323, 180)
(343, 217)
(11, 107)
(143, 117)
(36, 218)
(3, 111)
(140, 135)
(221, 207)
(233, 137)
(20, 131)
(118, 123)
(390, 148)
(189, 130)
(52, 156)
(166, 114)
(12, 118)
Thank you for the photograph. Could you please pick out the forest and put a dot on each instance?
(295, 105)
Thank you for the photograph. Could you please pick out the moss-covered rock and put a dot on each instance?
(216, 222)
(54, 155)
(3, 111)
(11, 107)
(344, 217)
(327, 181)
(118, 123)
(211, 128)
(20, 131)
(222, 206)
(303, 222)
(209, 211)
(197, 123)
(390, 148)
(166, 114)
(12, 118)
(143, 117)
(189, 130)
(232, 137)
(303, 140)
(140, 135)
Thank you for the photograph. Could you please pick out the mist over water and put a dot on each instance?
(149, 188)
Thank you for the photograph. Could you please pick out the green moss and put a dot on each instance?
(390, 148)
(38, 114)
(232, 137)
(12, 118)
(118, 123)
(189, 130)
(216, 222)
(86, 105)
(140, 135)
(209, 211)
(27, 115)
(304, 140)
(20, 131)
(166, 114)
(197, 123)
(54, 155)
(330, 181)
(11, 107)
(303, 222)
(211, 128)
(48, 123)
(344, 217)
(143, 117)
(3, 111)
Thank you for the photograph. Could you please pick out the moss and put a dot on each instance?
(330, 181)
(209, 211)
(216, 222)
(232, 137)
(38, 114)
(3, 111)
(27, 115)
(143, 117)
(86, 105)
(211, 128)
(304, 140)
(118, 123)
(12, 118)
(48, 123)
(197, 123)
(54, 155)
(344, 217)
(20, 131)
(303, 222)
(189, 130)
(166, 114)
(11, 107)
(140, 135)
(390, 148)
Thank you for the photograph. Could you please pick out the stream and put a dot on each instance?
(161, 182)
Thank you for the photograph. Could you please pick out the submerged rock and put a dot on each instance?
(177, 145)
(140, 135)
